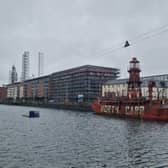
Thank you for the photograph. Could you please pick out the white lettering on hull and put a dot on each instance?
(129, 110)
(109, 109)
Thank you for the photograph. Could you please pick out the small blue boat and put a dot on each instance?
(32, 114)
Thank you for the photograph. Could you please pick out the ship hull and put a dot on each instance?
(144, 111)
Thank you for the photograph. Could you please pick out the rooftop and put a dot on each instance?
(89, 67)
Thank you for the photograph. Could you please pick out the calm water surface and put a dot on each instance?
(69, 139)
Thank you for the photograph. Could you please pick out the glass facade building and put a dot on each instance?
(80, 84)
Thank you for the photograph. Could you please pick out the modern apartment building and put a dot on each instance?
(79, 84)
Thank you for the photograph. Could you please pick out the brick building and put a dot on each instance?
(36, 89)
(3, 93)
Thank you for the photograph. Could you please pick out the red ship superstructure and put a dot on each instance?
(134, 105)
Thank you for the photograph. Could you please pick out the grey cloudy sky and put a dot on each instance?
(77, 32)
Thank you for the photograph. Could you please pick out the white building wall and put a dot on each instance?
(15, 90)
(12, 92)
(9, 92)
(118, 89)
(21, 92)
(121, 90)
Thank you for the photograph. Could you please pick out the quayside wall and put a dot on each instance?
(70, 106)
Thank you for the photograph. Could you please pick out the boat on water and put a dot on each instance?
(134, 105)
(32, 114)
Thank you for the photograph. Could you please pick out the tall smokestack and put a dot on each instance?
(25, 66)
(40, 64)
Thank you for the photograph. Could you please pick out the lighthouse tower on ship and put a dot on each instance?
(134, 83)
(133, 105)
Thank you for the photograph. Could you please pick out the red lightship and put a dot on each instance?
(134, 105)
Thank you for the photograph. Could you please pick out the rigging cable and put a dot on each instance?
(147, 35)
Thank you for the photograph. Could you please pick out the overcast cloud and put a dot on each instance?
(78, 32)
